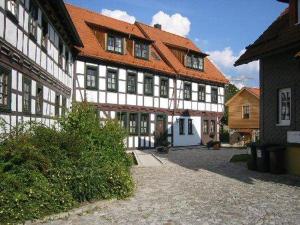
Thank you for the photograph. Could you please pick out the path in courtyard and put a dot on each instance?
(200, 187)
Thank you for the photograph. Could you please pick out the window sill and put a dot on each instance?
(283, 125)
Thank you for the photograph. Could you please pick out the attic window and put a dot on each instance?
(141, 50)
(115, 44)
(195, 62)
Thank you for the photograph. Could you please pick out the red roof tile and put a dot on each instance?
(160, 40)
(255, 91)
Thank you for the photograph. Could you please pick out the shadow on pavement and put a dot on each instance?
(218, 162)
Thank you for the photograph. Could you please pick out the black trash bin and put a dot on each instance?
(263, 158)
(277, 154)
(252, 162)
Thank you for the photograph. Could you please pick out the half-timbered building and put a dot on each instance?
(159, 85)
(37, 39)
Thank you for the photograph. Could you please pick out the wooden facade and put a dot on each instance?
(243, 115)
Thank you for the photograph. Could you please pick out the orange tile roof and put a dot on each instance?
(210, 73)
(168, 64)
(255, 91)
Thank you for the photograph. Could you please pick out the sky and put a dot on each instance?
(220, 28)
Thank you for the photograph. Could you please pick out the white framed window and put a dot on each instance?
(284, 106)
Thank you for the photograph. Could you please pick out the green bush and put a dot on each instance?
(45, 170)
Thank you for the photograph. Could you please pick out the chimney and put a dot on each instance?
(157, 26)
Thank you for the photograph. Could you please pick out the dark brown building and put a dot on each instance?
(278, 51)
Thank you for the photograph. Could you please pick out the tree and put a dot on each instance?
(230, 91)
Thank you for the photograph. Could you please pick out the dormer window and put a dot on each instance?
(12, 8)
(141, 50)
(195, 62)
(115, 44)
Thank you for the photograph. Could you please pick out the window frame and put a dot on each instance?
(147, 126)
(63, 105)
(131, 74)
(115, 37)
(6, 72)
(164, 95)
(116, 73)
(136, 123)
(199, 99)
(181, 126)
(282, 122)
(57, 105)
(244, 107)
(26, 81)
(96, 70)
(217, 93)
(39, 98)
(191, 59)
(45, 32)
(120, 116)
(190, 127)
(150, 77)
(185, 85)
(146, 49)
(212, 127)
(13, 16)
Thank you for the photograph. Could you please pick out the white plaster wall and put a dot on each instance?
(187, 140)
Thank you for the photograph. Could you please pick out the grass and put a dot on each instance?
(240, 158)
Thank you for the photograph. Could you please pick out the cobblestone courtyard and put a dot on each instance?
(200, 187)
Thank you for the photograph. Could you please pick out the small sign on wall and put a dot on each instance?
(293, 137)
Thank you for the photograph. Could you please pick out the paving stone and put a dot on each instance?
(197, 186)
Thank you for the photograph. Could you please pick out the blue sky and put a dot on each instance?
(222, 28)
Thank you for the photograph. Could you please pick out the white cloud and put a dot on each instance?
(118, 14)
(244, 74)
(175, 23)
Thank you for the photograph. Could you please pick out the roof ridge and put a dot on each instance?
(98, 13)
(164, 31)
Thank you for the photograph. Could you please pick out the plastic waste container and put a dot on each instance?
(263, 158)
(277, 154)
(252, 162)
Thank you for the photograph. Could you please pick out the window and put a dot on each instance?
(67, 62)
(112, 80)
(285, 107)
(61, 53)
(26, 95)
(91, 77)
(205, 126)
(201, 93)
(44, 32)
(214, 95)
(195, 62)
(57, 103)
(190, 126)
(34, 14)
(39, 100)
(187, 91)
(4, 89)
(148, 85)
(164, 87)
(246, 111)
(12, 8)
(131, 83)
(144, 124)
(212, 127)
(64, 106)
(181, 126)
(141, 50)
(133, 119)
(115, 44)
(122, 117)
